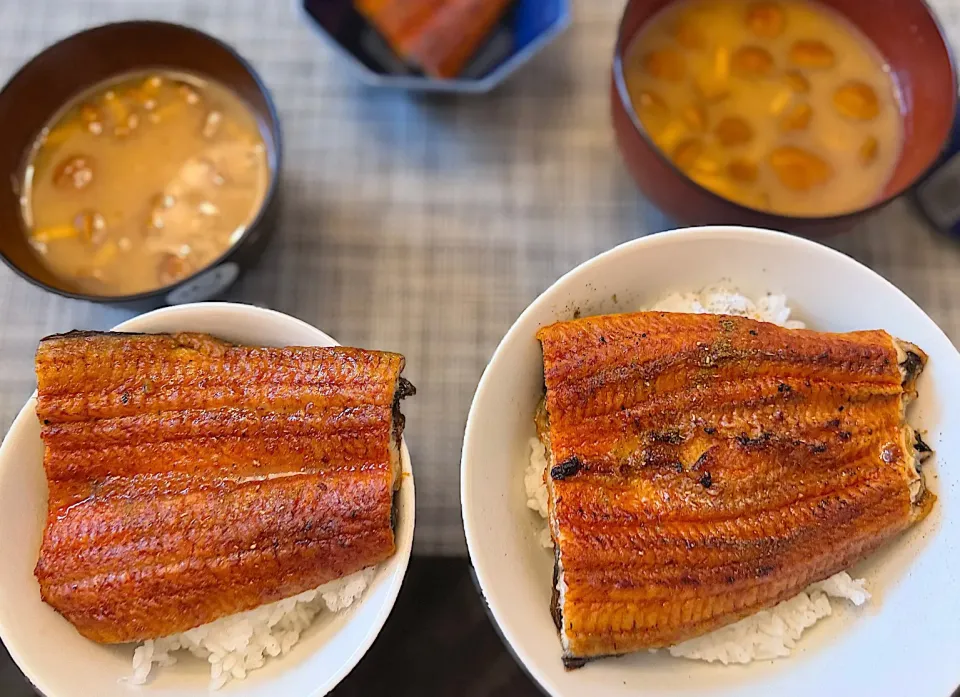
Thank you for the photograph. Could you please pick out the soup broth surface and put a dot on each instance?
(780, 105)
(142, 181)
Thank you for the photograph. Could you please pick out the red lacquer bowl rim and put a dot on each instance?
(627, 105)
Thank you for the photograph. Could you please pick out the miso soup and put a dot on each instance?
(781, 105)
(142, 181)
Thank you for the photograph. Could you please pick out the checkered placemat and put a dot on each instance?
(425, 225)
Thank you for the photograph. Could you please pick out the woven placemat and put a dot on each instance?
(426, 225)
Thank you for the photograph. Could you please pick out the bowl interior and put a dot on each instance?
(62, 71)
(907, 34)
(61, 663)
(849, 653)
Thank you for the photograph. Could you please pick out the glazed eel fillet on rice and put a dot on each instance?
(190, 479)
(705, 467)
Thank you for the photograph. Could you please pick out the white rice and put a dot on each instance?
(720, 301)
(536, 487)
(767, 634)
(243, 642)
(773, 633)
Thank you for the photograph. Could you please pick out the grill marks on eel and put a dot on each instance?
(723, 466)
(190, 479)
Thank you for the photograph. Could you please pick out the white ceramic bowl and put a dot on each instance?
(905, 641)
(61, 663)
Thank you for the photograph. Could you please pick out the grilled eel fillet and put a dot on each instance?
(191, 479)
(439, 36)
(704, 467)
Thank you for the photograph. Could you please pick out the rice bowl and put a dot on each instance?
(325, 651)
(850, 651)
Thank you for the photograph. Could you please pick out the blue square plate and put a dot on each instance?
(525, 29)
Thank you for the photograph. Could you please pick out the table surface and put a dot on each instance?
(426, 225)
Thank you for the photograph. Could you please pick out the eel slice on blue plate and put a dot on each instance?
(438, 36)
